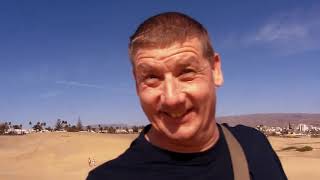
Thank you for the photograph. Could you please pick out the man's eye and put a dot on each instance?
(151, 80)
(186, 71)
(148, 77)
(187, 74)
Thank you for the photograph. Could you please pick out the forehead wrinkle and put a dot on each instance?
(169, 63)
(183, 60)
(147, 66)
(163, 53)
(178, 58)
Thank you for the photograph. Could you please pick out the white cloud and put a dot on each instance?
(286, 33)
(277, 31)
(291, 32)
(78, 84)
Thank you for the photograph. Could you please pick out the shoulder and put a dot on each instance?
(252, 141)
(262, 159)
(121, 167)
(245, 135)
(108, 169)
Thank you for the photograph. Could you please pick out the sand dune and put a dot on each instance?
(65, 155)
(299, 165)
(56, 155)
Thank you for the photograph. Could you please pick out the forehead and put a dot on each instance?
(187, 49)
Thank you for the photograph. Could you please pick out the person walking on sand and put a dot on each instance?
(89, 161)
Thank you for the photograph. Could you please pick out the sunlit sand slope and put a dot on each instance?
(64, 156)
(57, 155)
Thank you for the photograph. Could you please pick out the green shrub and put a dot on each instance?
(304, 148)
(289, 148)
(300, 149)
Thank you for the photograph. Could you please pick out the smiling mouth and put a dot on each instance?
(177, 115)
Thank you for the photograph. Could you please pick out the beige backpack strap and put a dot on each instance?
(238, 158)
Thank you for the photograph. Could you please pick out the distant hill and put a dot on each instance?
(272, 119)
(269, 119)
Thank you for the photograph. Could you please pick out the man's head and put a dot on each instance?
(164, 29)
(176, 72)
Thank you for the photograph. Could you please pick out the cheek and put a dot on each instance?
(149, 98)
(199, 92)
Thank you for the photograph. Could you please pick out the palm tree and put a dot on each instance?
(79, 125)
(99, 127)
(64, 124)
(59, 125)
(43, 125)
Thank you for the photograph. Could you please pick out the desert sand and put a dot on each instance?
(65, 156)
(298, 165)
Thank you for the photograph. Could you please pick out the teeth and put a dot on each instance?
(175, 115)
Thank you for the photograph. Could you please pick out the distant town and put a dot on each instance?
(290, 131)
(7, 128)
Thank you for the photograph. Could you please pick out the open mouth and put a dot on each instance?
(176, 115)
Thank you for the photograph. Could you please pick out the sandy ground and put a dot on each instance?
(65, 156)
(299, 165)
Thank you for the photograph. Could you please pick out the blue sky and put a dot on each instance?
(65, 59)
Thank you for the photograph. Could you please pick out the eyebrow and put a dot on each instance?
(145, 68)
(144, 65)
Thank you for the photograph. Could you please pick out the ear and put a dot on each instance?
(216, 70)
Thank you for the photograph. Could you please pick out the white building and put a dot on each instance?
(121, 131)
(303, 127)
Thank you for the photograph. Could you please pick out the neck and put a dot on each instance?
(198, 143)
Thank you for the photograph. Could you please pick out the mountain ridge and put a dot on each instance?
(271, 119)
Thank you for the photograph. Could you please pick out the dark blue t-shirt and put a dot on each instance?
(142, 160)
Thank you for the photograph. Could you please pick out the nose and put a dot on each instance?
(172, 97)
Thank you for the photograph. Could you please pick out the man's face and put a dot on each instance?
(176, 87)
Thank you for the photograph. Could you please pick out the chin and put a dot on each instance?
(181, 134)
